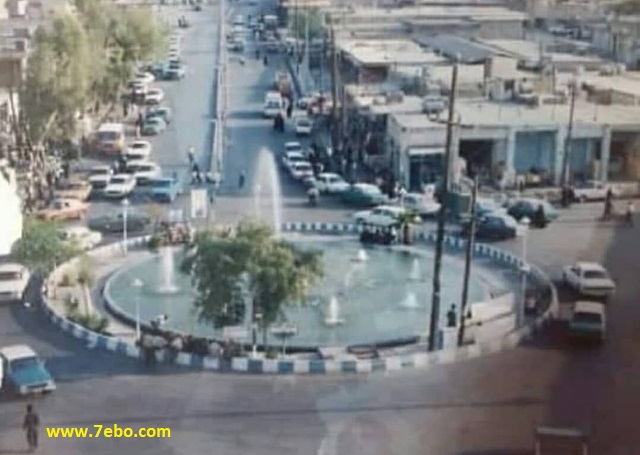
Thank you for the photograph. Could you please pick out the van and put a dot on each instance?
(110, 138)
(273, 104)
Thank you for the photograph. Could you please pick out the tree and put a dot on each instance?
(230, 268)
(41, 246)
(86, 279)
(299, 23)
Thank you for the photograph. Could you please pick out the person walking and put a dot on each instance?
(191, 156)
(241, 179)
(30, 426)
(608, 205)
(629, 213)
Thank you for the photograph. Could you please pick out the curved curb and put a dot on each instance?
(302, 366)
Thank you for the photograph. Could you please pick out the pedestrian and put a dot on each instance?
(140, 120)
(30, 426)
(191, 156)
(608, 205)
(452, 316)
(629, 213)
(265, 60)
(289, 108)
(241, 179)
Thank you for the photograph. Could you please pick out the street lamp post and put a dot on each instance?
(524, 270)
(125, 207)
(137, 285)
(254, 334)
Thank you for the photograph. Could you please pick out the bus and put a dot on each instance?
(110, 138)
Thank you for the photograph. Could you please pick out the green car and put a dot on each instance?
(162, 112)
(152, 126)
(363, 195)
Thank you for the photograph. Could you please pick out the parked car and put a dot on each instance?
(589, 279)
(300, 170)
(493, 226)
(487, 205)
(419, 203)
(82, 237)
(290, 158)
(163, 112)
(73, 189)
(588, 321)
(293, 146)
(165, 189)
(145, 77)
(175, 70)
(383, 215)
(23, 372)
(157, 69)
(120, 186)
(138, 150)
(364, 195)
(144, 173)
(303, 126)
(154, 96)
(592, 190)
(14, 279)
(63, 210)
(521, 208)
(99, 176)
(153, 126)
(114, 223)
(328, 182)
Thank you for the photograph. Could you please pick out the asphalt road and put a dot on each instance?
(484, 406)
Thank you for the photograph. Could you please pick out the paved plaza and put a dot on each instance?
(484, 406)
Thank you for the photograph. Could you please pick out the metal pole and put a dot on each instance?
(467, 262)
(567, 148)
(137, 314)
(442, 216)
(524, 270)
(334, 92)
(125, 205)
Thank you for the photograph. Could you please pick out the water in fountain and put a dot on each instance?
(415, 273)
(167, 270)
(410, 301)
(267, 190)
(362, 256)
(333, 313)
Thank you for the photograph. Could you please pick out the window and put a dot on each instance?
(588, 318)
(595, 275)
(10, 275)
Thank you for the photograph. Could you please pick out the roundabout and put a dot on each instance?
(329, 318)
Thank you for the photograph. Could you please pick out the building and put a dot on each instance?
(509, 143)
(11, 226)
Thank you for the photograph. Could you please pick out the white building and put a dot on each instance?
(10, 211)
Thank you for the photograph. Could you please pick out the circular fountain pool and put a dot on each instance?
(369, 296)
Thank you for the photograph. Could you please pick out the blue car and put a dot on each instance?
(165, 189)
(493, 226)
(152, 126)
(364, 195)
(521, 208)
(162, 112)
(23, 372)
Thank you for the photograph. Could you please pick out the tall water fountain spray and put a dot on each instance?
(410, 302)
(333, 313)
(415, 273)
(167, 271)
(267, 190)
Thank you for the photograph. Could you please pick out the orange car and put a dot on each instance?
(64, 209)
(74, 189)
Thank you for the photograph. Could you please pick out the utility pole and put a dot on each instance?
(296, 28)
(434, 323)
(567, 148)
(467, 261)
(334, 92)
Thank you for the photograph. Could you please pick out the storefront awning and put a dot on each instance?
(422, 151)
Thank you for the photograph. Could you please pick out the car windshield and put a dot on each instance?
(595, 274)
(10, 275)
(587, 317)
(302, 167)
(99, 172)
(139, 146)
(119, 180)
(24, 363)
(303, 122)
(162, 183)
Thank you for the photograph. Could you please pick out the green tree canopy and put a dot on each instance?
(298, 24)
(41, 246)
(82, 58)
(248, 264)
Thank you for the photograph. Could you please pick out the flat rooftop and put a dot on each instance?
(474, 74)
(386, 52)
(628, 82)
(492, 114)
(530, 51)
(464, 49)
(478, 13)
(378, 106)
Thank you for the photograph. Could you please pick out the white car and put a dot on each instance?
(421, 204)
(328, 182)
(139, 150)
(82, 236)
(303, 126)
(99, 176)
(592, 190)
(293, 147)
(300, 170)
(146, 172)
(589, 279)
(13, 282)
(588, 321)
(290, 158)
(144, 77)
(154, 96)
(120, 186)
(383, 215)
